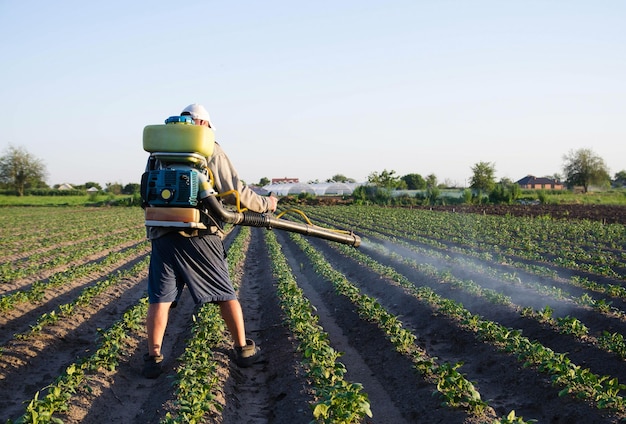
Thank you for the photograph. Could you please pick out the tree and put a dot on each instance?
(432, 189)
(620, 179)
(583, 168)
(90, 184)
(506, 191)
(483, 179)
(431, 181)
(264, 181)
(339, 178)
(386, 179)
(20, 169)
(414, 181)
(114, 188)
(131, 188)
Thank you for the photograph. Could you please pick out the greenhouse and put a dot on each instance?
(335, 189)
(316, 189)
(289, 188)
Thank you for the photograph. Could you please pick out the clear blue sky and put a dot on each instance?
(314, 89)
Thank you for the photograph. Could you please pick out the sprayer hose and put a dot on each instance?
(254, 219)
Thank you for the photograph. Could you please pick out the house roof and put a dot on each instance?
(532, 180)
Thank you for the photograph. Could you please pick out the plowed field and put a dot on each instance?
(449, 285)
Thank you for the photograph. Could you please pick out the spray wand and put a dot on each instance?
(254, 219)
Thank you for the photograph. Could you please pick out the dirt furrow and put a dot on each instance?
(274, 389)
(271, 391)
(579, 350)
(45, 274)
(35, 362)
(396, 393)
(126, 396)
(25, 314)
(31, 249)
(499, 377)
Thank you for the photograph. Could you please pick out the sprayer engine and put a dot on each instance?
(173, 186)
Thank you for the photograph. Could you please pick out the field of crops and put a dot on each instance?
(438, 317)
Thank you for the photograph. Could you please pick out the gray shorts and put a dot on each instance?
(199, 262)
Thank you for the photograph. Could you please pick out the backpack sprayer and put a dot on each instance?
(177, 186)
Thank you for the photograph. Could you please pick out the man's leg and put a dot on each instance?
(156, 322)
(245, 349)
(233, 316)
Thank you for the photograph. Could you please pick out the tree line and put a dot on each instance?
(20, 170)
(582, 168)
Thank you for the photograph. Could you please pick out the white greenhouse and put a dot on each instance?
(335, 189)
(316, 189)
(286, 189)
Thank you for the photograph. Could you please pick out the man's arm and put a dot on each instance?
(226, 178)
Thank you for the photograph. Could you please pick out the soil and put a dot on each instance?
(275, 389)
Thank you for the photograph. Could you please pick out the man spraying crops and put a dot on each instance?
(196, 257)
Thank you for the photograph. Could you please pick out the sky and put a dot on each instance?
(311, 90)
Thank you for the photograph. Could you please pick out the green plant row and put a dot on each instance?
(453, 387)
(46, 227)
(111, 345)
(434, 244)
(338, 401)
(38, 289)
(64, 245)
(564, 325)
(21, 222)
(196, 377)
(579, 245)
(437, 247)
(64, 255)
(601, 305)
(573, 379)
(237, 254)
(86, 296)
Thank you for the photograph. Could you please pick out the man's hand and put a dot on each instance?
(273, 201)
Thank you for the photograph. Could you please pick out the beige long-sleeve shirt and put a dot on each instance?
(225, 178)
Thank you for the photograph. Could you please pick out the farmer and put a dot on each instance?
(198, 258)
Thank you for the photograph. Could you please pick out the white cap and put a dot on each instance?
(198, 112)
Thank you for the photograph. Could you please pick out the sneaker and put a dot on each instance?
(151, 366)
(246, 355)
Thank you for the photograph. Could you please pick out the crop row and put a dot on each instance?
(578, 245)
(85, 297)
(37, 290)
(572, 378)
(63, 255)
(339, 401)
(442, 252)
(58, 394)
(57, 397)
(43, 228)
(454, 388)
(609, 341)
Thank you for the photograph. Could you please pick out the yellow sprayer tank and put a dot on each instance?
(178, 138)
